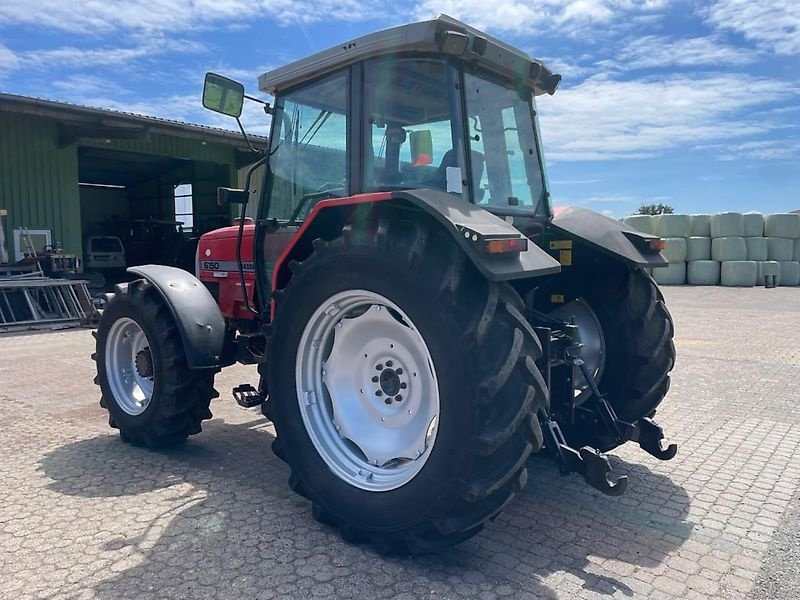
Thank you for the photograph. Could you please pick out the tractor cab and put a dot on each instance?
(435, 105)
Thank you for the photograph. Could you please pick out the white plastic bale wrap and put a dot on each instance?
(797, 250)
(724, 249)
(753, 223)
(768, 267)
(790, 273)
(728, 224)
(672, 274)
(698, 248)
(675, 250)
(671, 226)
(756, 248)
(643, 223)
(738, 273)
(702, 272)
(779, 248)
(700, 226)
(782, 226)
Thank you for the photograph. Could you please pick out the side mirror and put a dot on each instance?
(226, 196)
(223, 95)
(421, 147)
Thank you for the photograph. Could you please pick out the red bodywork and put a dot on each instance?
(217, 269)
(216, 256)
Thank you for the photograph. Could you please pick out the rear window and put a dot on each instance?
(106, 244)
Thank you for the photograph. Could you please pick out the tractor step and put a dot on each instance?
(247, 396)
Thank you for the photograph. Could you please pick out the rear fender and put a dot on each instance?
(196, 314)
(601, 234)
(464, 221)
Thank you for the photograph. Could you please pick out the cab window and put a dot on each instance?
(309, 148)
(410, 128)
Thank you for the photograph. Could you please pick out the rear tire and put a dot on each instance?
(482, 354)
(150, 393)
(639, 349)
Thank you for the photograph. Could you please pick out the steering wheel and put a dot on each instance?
(320, 194)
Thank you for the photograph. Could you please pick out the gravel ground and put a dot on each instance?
(83, 515)
(779, 578)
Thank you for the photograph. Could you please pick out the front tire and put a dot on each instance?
(466, 355)
(150, 393)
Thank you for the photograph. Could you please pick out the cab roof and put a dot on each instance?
(443, 35)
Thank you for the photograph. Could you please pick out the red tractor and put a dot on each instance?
(421, 318)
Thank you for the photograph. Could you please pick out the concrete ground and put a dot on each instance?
(83, 515)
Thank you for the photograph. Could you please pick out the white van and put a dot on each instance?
(103, 252)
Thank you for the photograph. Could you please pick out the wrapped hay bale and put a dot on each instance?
(672, 274)
(753, 223)
(728, 224)
(702, 272)
(782, 226)
(671, 226)
(738, 273)
(768, 267)
(726, 249)
(675, 250)
(756, 248)
(698, 248)
(700, 226)
(643, 223)
(797, 249)
(779, 248)
(790, 273)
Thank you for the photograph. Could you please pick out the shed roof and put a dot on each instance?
(89, 121)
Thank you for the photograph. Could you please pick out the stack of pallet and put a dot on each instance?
(731, 249)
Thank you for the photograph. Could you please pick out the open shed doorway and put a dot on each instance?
(145, 209)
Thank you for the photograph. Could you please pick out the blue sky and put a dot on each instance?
(695, 104)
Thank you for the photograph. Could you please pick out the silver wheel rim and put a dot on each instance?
(593, 352)
(129, 366)
(367, 390)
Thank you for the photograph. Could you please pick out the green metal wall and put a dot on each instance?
(38, 181)
(165, 145)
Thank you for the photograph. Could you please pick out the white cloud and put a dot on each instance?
(658, 51)
(73, 57)
(772, 24)
(522, 16)
(784, 149)
(103, 16)
(604, 119)
(85, 86)
(8, 60)
(569, 70)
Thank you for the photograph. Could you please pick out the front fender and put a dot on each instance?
(194, 310)
(604, 234)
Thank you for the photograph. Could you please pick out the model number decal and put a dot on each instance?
(226, 265)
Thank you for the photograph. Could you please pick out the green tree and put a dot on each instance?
(655, 209)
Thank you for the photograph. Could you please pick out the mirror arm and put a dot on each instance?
(247, 139)
(250, 171)
(267, 106)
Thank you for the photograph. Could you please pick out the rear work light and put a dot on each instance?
(657, 245)
(505, 246)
